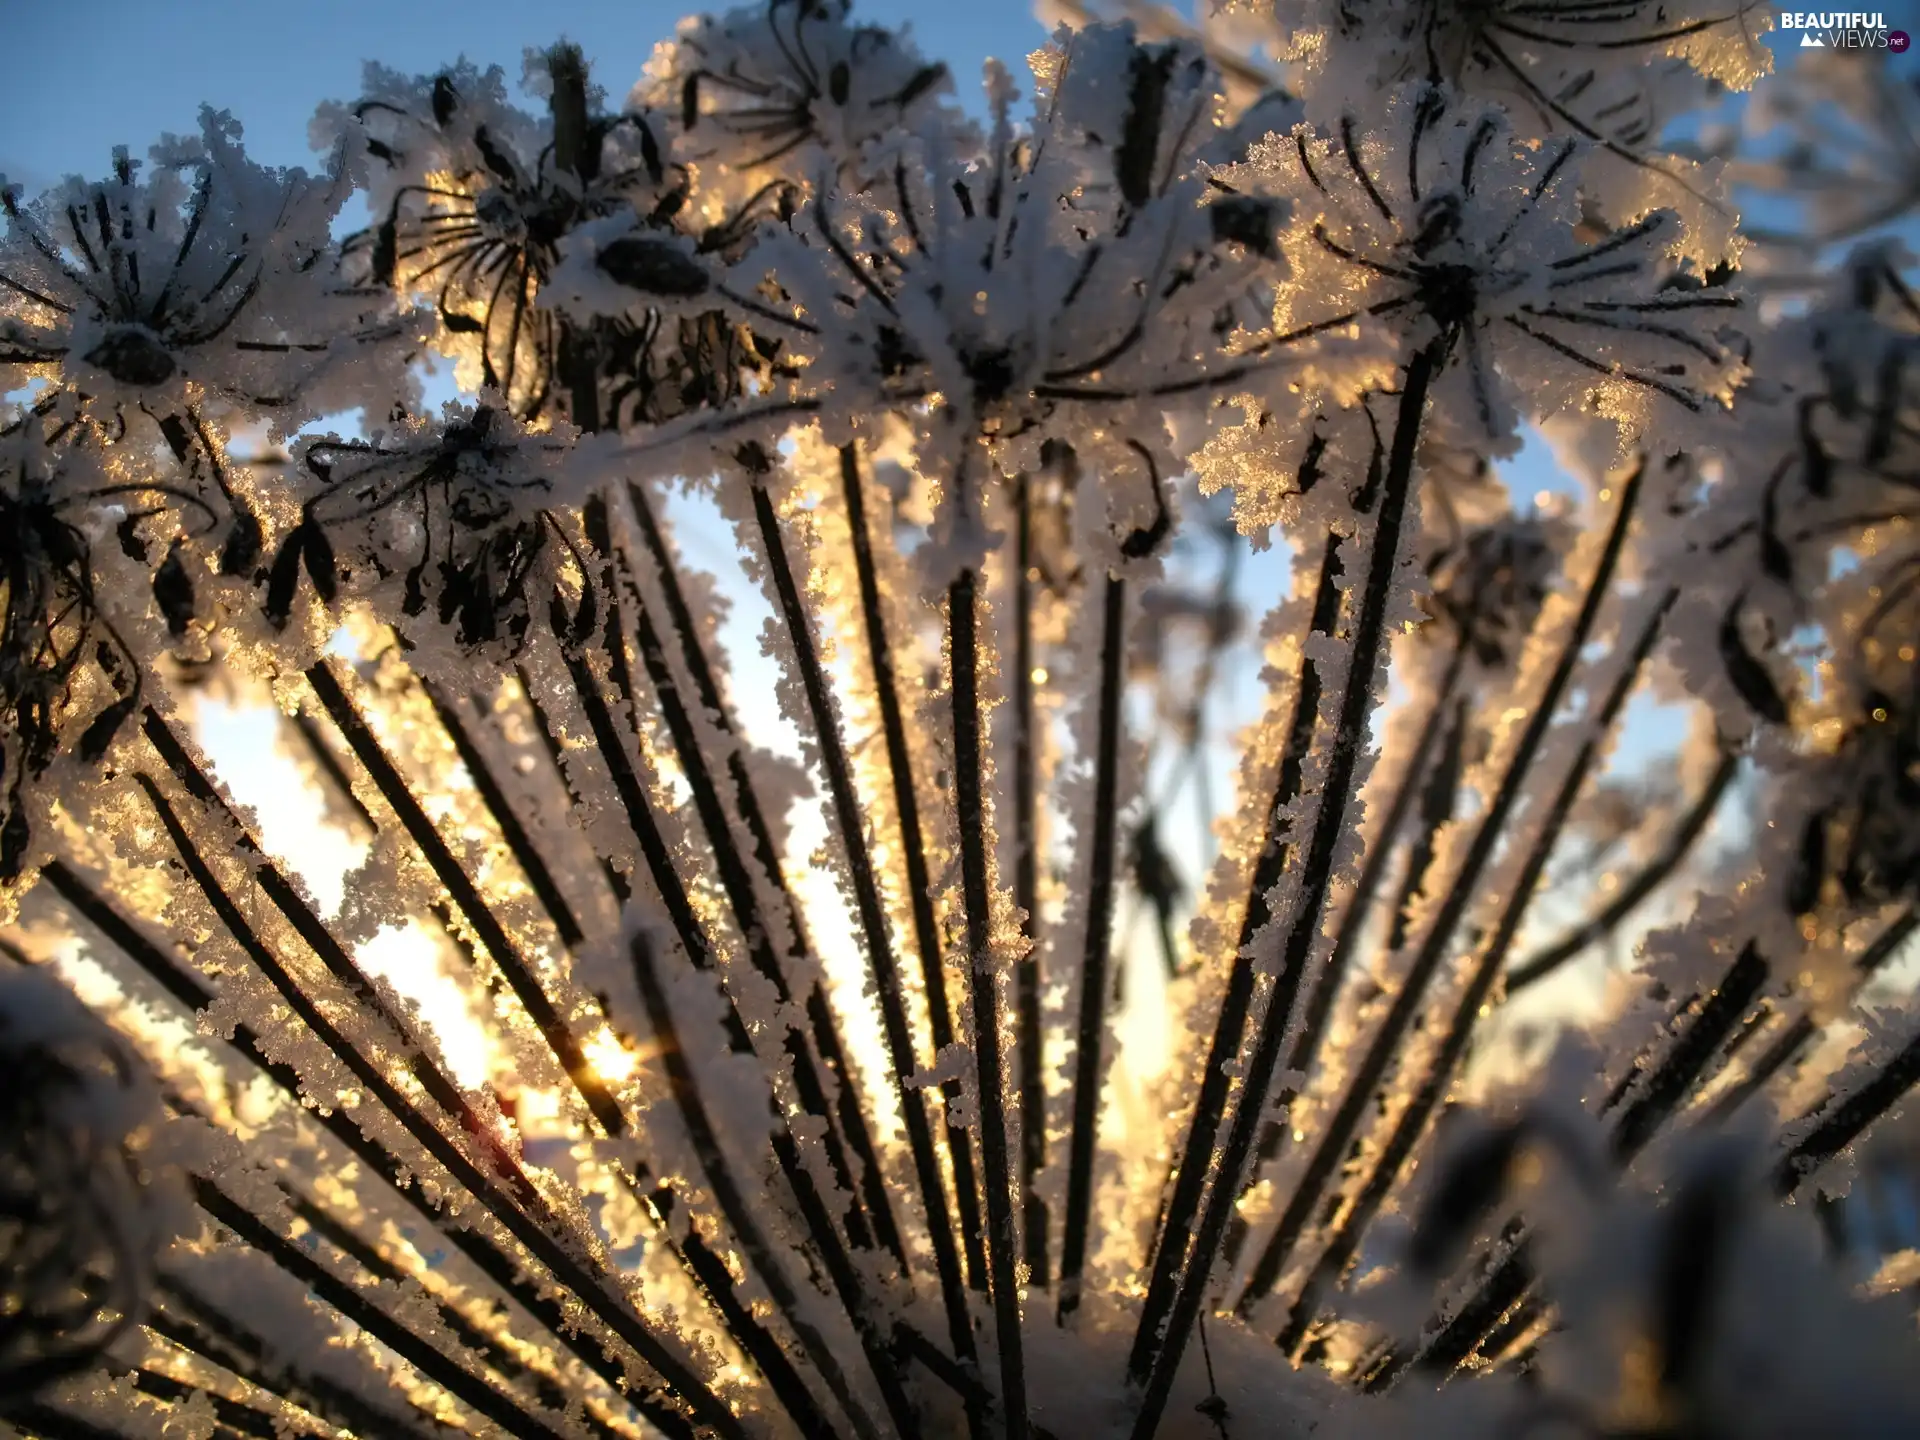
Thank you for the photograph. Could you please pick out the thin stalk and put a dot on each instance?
(1344, 1244)
(1026, 899)
(729, 1200)
(1786, 1045)
(40, 1421)
(1549, 958)
(329, 765)
(340, 1234)
(906, 801)
(1091, 1030)
(526, 854)
(1189, 1177)
(1437, 801)
(1349, 737)
(1339, 1132)
(1791, 1040)
(326, 948)
(658, 858)
(1524, 1319)
(222, 1340)
(1460, 1336)
(708, 1270)
(460, 886)
(846, 1121)
(1673, 1080)
(504, 1410)
(1373, 871)
(550, 741)
(1845, 1119)
(1353, 920)
(233, 1417)
(485, 1254)
(367, 1256)
(1658, 1099)
(983, 985)
(518, 1216)
(712, 1271)
(873, 924)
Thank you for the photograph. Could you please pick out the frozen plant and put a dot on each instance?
(922, 810)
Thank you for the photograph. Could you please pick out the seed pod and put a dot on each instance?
(1749, 677)
(1246, 220)
(653, 267)
(173, 591)
(1139, 149)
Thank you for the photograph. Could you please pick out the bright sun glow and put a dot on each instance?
(611, 1060)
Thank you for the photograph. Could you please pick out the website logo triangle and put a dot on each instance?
(1812, 42)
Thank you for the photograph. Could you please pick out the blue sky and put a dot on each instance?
(101, 73)
(98, 73)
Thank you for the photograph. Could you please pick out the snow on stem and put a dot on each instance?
(1338, 1131)
(1189, 1177)
(1320, 862)
(919, 879)
(870, 908)
(1482, 974)
(1352, 924)
(816, 1220)
(1630, 896)
(525, 1213)
(1030, 1046)
(763, 905)
(1102, 882)
(983, 985)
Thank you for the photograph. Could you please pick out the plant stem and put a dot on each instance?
(1338, 1134)
(1671, 1082)
(465, 893)
(503, 1410)
(1438, 799)
(1845, 1120)
(484, 1253)
(1349, 738)
(519, 843)
(658, 859)
(913, 846)
(873, 924)
(733, 1205)
(1091, 1029)
(1344, 1244)
(1353, 920)
(1658, 1099)
(1026, 899)
(846, 1123)
(526, 1216)
(1190, 1176)
(222, 1340)
(983, 985)
(1549, 958)
(1794, 1037)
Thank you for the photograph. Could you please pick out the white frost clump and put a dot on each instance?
(82, 1214)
